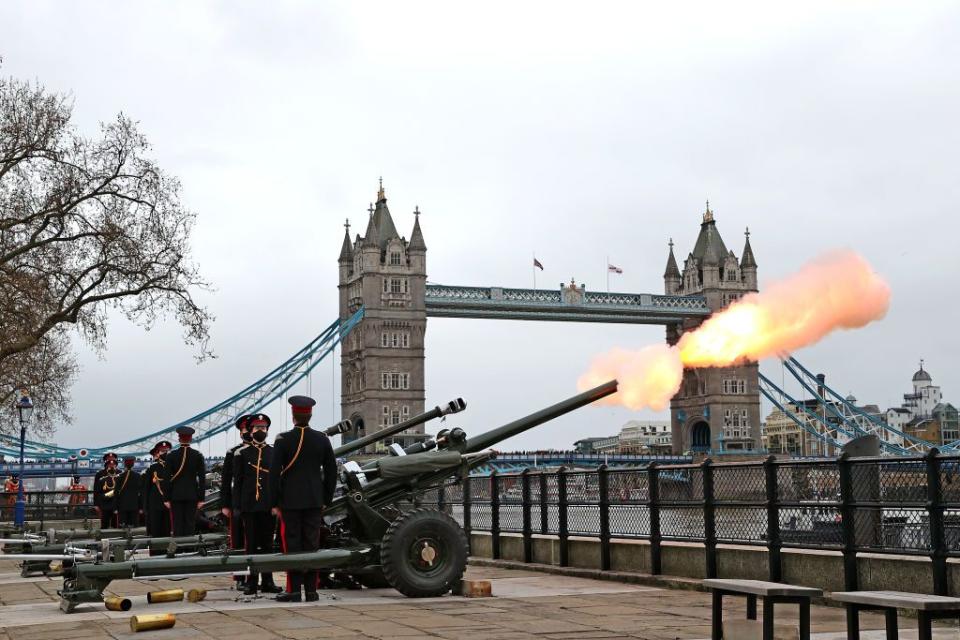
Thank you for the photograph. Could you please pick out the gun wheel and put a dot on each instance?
(424, 553)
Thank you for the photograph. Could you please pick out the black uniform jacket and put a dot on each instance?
(151, 491)
(303, 472)
(226, 477)
(128, 490)
(103, 485)
(184, 475)
(96, 487)
(248, 496)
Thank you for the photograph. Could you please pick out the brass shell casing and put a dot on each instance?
(196, 595)
(167, 595)
(152, 621)
(116, 603)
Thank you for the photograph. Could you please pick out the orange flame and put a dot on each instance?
(839, 290)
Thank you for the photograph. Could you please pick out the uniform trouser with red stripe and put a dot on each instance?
(158, 526)
(235, 527)
(301, 532)
(183, 518)
(258, 531)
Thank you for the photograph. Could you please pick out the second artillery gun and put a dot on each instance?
(420, 552)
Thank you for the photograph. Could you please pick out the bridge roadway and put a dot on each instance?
(567, 304)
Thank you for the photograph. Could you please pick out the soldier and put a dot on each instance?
(11, 486)
(128, 495)
(105, 492)
(251, 498)
(234, 521)
(78, 495)
(303, 477)
(156, 514)
(184, 484)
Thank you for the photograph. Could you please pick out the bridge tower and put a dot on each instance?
(382, 360)
(716, 408)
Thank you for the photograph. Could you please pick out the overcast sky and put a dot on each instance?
(578, 131)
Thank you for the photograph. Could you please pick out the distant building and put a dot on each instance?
(646, 437)
(946, 414)
(923, 413)
(606, 444)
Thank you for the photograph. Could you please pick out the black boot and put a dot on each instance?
(287, 596)
(267, 585)
(250, 589)
(311, 596)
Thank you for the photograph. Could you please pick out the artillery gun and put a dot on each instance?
(421, 552)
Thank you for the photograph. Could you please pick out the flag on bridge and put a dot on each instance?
(537, 264)
(613, 269)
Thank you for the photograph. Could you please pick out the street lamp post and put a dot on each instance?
(25, 410)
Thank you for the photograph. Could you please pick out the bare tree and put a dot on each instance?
(86, 225)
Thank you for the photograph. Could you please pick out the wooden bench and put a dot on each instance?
(771, 593)
(928, 608)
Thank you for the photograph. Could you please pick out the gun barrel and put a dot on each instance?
(341, 427)
(454, 406)
(490, 438)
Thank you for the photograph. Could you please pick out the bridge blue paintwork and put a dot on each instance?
(567, 305)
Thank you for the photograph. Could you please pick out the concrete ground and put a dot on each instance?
(526, 605)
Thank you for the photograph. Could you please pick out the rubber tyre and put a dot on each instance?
(402, 566)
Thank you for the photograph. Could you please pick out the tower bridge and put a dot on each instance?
(382, 362)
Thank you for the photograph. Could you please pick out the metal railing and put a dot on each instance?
(44, 506)
(903, 505)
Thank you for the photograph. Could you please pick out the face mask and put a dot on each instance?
(245, 436)
(259, 436)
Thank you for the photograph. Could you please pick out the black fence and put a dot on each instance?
(904, 505)
(43, 506)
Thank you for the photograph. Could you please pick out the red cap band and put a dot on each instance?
(303, 410)
(259, 423)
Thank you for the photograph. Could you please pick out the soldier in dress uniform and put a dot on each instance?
(128, 495)
(184, 484)
(234, 521)
(11, 486)
(156, 514)
(105, 492)
(251, 498)
(303, 477)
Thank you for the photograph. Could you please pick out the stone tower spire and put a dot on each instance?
(748, 264)
(416, 238)
(346, 250)
(671, 277)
